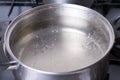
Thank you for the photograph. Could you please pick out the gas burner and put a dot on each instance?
(116, 50)
(114, 17)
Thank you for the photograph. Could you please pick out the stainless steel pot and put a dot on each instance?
(87, 3)
(59, 42)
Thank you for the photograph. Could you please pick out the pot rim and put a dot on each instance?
(49, 6)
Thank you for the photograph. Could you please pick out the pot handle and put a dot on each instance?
(11, 65)
(8, 64)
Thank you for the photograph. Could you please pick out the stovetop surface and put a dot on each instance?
(111, 11)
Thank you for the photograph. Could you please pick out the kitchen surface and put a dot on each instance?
(110, 9)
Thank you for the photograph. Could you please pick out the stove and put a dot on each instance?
(9, 9)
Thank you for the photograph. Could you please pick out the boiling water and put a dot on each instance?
(56, 50)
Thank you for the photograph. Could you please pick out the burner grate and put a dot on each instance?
(107, 77)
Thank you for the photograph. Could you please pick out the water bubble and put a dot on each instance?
(56, 31)
(46, 46)
(36, 46)
(37, 36)
(52, 45)
(42, 40)
(42, 51)
(89, 35)
(53, 31)
(33, 65)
